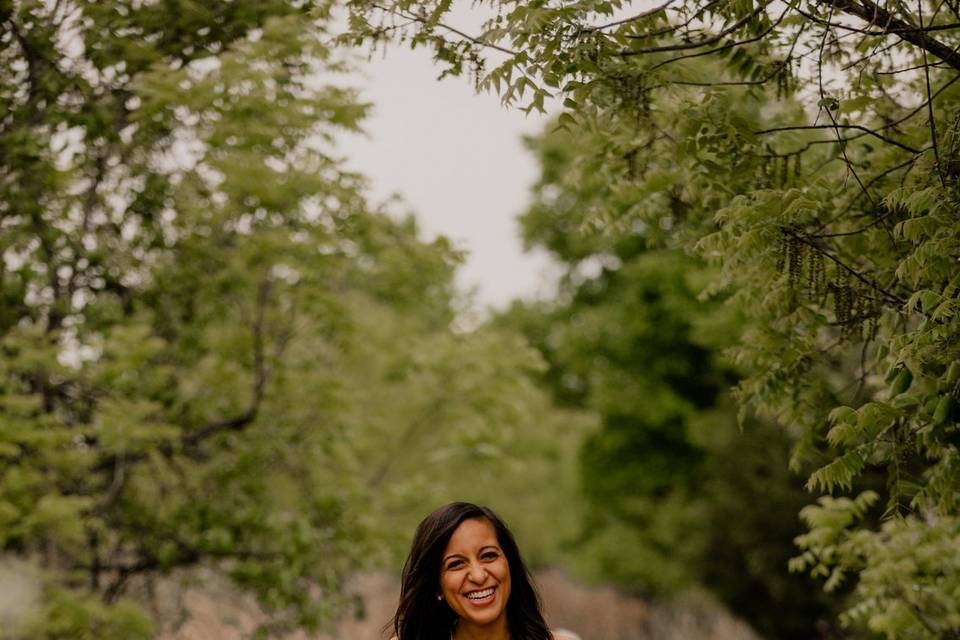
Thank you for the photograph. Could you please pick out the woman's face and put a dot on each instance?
(475, 574)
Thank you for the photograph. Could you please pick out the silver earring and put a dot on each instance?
(439, 597)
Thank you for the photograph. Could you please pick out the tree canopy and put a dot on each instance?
(667, 475)
(214, 352)
(809, 149)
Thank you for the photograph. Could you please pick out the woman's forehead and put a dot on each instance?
(472, 535)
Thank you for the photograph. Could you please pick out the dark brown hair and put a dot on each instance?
(420, 616)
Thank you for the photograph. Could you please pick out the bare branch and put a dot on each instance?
(920, 108)
(871, 12)
(147, 563)
(886, 31)
(893, 72)
(729, 45)
(932, 121)
(672, 28)
(37, 62)
(639, 16)
(865, 227)
(699, 43)
(856, 127)
(424, 21)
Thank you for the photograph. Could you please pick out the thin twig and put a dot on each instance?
(856, 176)
(862, 378)
(921, 107)
(932, 120)
(639, 16)
(891, 297)
(672, 28)
(869, 183)
(841, 234)
(699, 43)
(883, 32)
(778, 67)
(729, 45)
(424, 21)
(834, 126)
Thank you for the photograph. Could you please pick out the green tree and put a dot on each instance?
(174, 233)
(436, 415)
(213, 351)
(179, 252)
(668, 475)
(828, 211)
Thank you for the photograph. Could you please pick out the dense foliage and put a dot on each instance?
(213, 351)
(810, 150)
(676, 494)
(172, 245)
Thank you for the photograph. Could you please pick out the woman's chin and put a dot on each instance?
(483, 614)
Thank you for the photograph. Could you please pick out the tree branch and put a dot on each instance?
(931, 120)
(869, 183)
(639, 16)
(729, 45)
(36, 61)
(891, 297)
(422, 20)
(836, 129)
(869, 11)
(147, 563)
(186, 556)
(888, 31)
(855, 127)
(259, 378)
(672, 28)
(699, 43)
(428, 417)
(194, 438)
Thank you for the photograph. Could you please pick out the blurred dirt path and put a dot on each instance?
(19, 590)
(594, 613)
(211, 610)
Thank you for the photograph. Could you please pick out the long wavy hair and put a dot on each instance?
(420, 616)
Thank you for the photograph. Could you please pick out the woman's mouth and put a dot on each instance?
(481, 597)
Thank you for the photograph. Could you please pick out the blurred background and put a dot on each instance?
(267, 301)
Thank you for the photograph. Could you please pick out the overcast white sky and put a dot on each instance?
(457, 160)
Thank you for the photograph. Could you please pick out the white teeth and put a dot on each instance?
(480, 595)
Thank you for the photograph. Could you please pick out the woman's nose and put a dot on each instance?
(477, 573)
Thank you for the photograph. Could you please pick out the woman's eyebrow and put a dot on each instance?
(460, 555)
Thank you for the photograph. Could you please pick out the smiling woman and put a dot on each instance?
(475, 575)
(465, 580)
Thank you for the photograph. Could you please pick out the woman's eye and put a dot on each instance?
(490, 555)
(454, 564)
